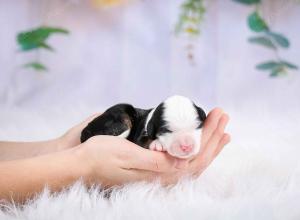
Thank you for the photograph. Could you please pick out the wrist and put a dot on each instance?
(60, 143)
(65, 142)
(83, 163)
(68, 140)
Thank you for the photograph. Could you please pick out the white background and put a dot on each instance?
(129, 53)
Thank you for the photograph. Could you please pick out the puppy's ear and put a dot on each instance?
(151, 129)
(201, 114)
(155, 121)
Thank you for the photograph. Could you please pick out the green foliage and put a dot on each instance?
(267, 65)
(256, 23)
(35, 39)
(189, 22)
(276, 68)
(248, 2)
(192, 13)
(269, 40)
(279, 39)
(36, 66)
(289, 65)
(262, 40)
(277, 72)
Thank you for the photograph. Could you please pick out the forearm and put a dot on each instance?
(19, 150)
(21, 179)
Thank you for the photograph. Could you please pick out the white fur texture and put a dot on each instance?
(182, 120)
(257, 176)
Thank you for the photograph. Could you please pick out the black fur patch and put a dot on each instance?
(114, 121)
(157, 125)
(201, 115)
(117, 119)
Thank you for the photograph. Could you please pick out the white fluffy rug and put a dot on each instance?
(256, 177)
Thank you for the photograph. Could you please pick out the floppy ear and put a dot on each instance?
(201, 113)
(155, 121)
(151, 129)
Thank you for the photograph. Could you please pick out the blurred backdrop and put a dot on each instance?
(129, 53)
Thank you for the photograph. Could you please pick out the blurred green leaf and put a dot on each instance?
(267, 65)
(256, 23)
(248, 2)
(276, 67)
(36, 66)
(279, 70)
(289, 65)
(36, 38)
(187, 5)
(191, 16)
(262, 41)
(46, 46)
(280, 39)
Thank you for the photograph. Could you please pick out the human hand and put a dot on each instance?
(72, 137)
(117, 161)
(114, 161)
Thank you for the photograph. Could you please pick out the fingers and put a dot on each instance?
(214, 145)
(210, 124)
(145, 159)
(181, 163)
(217, 135)
(224, 140)
(132, 156)
(134, 175)
(83, 124)
(165, 179)
(148, 165)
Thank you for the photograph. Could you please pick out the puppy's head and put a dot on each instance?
(176, 124)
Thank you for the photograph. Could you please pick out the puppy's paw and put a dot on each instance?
(156, 145)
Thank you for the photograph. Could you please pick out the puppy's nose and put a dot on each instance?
(186, 148)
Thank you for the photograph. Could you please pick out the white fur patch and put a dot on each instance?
(124, 134)
(180, 113)
(182, 120)
(149, 117)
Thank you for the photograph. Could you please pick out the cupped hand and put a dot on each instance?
(114, 161)
(213, 140)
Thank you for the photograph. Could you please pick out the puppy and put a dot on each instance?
(174, 126)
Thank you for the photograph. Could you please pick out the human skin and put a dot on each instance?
(27, 167)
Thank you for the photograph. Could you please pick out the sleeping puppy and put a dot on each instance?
(174, 126)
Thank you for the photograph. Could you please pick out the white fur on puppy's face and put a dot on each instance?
(171, 143)
(183, 122)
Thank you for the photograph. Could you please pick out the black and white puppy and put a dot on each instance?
(174, 126)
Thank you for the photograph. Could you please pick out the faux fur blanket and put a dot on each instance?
(257, 176)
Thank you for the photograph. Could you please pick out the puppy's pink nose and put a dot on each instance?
(186, 148)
